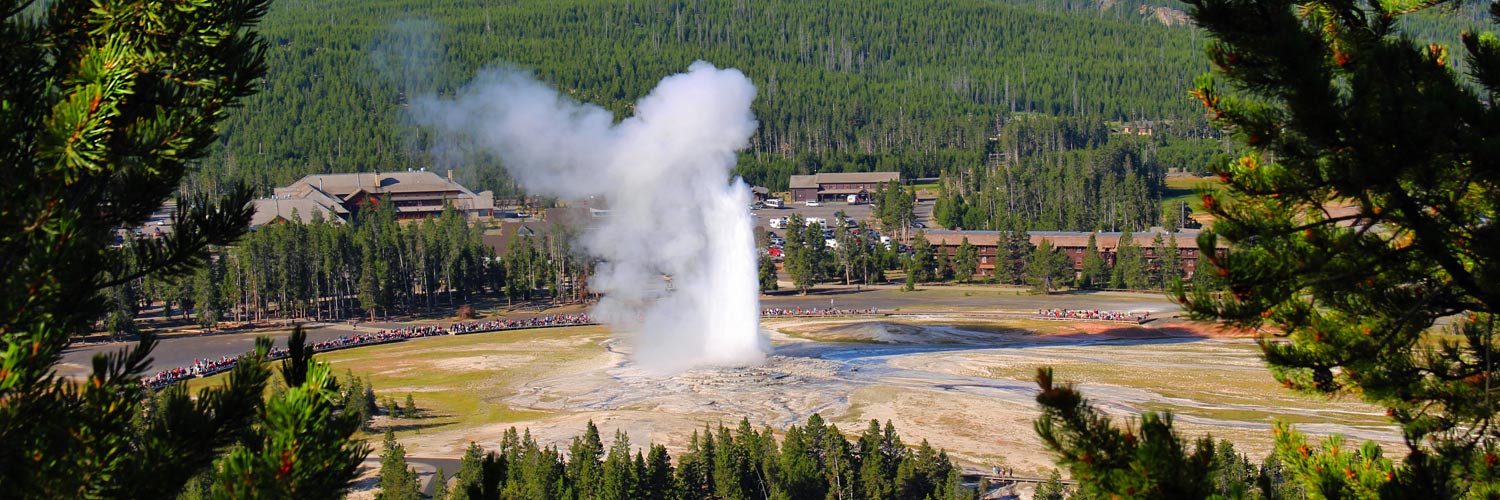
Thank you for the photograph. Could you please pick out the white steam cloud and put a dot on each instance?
(666, 175)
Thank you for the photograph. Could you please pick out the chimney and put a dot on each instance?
(450, 175)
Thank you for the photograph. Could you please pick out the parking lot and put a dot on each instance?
(826, 210)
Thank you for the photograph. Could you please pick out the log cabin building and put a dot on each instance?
(839, 186)
(1073, 243)
(417, 194)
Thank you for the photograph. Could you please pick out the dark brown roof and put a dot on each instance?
(812, 181)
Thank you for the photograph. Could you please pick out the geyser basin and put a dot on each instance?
(675, 209)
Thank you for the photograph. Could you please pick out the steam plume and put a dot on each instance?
(666, 174)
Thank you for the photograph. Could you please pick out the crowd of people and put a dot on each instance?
(1093, 314)
(204, 368)
(199, 368)
(773, 312)
(538, 322)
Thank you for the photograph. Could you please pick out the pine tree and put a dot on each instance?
(1053, 489)
(965, 261)
(920, 265)
(302, 448)
(1095, 271)
(207, 304)
(1013, 256)
(1145, 459)
(470, 470)
(1047, 268)
(1396, 148)
(805, 256)
(1156, 273)
(104, 107)
(440, 485)
(411, 406)
(397, 480)
(657, 483)
(1341, 110)
(1130, 265)
(585, 456)
(618, 479)
(767, 274)
(1171, 263)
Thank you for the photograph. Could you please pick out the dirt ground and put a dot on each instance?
(961, 383)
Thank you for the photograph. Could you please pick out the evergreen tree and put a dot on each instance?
(1095, 271)
(1130, 269)
(369, 289)
(301, 449)
(1342, 109)
(1014, 254)
(397, 480)
(922, 262)
(619, 480)
(1233, 474)
(1048, 268)
(440, 485)
(470, 471)
(1171, 263)
(411, 406)
(965, 261)
(1053, 489)
(207, 304)
(1354, 303)
(1156, 273)
(804, 253)
(1146, 459)
(585, 461)
(876, 469)
(657, 483)
(104, 107)
(767, 273)
(896, 208)
(122, 309)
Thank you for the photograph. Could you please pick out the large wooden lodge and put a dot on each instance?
(1073, 243)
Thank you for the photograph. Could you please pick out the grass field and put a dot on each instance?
(1186, 189)
(459, 380)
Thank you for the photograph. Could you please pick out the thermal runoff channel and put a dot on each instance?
(676, 211)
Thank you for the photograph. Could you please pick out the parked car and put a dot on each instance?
(814, 203)
(774, 251)
(778, 223)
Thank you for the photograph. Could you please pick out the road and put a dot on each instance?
(180, 350)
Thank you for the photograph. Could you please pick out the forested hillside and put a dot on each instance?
(844, 85)
(1049, 173)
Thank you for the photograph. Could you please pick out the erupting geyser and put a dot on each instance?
(674, 208)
